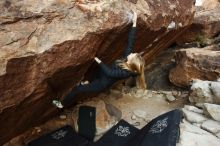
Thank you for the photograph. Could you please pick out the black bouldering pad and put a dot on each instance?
(64, 136)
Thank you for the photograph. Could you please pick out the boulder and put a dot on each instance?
(211, 126)
(206, 23)
(193, 109)
(218, 135)
(192, 63)
(191, 135)
(157, 72)
(205, 91)
(199, 105)
(193, 117)
(47, 47)
(212, 110)
(215, 87)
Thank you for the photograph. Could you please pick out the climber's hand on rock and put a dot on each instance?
(97, 60)
(134, 19)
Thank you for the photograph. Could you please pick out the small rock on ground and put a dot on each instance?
(140, 114)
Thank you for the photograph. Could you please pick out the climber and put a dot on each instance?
(132, 64)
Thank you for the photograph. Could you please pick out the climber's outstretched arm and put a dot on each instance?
(114, 73)
(131, 36)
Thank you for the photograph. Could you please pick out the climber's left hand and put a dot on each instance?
(134, 20)
(97, 60)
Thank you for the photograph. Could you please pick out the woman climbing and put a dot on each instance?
(132, 64)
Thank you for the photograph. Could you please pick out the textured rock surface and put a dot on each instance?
(46, 47)
(157, 72)
(211, 126)
(192, 63)
(205, 91)
(197, 125)
(191, 135)
(206, 23)
(193, 117)
(212, 110)
(218, 135)
(193, 109)
(140, 114)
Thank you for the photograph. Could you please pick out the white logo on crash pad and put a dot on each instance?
(159, 126)
(122, 131)
(59, 134)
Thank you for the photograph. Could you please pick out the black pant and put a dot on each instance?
(97, 85)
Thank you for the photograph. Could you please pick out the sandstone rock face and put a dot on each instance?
(157, 72)
(46, 47)
(205, 25)
(192, 63)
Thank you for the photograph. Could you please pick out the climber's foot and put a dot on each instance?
(57, 103)
(84, 82)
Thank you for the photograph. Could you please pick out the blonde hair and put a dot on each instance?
(135, 63)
